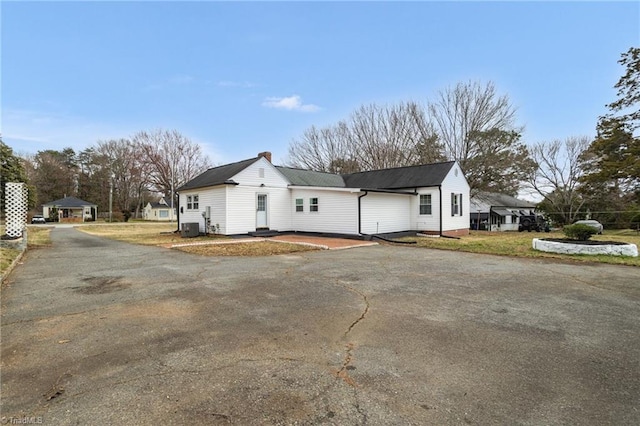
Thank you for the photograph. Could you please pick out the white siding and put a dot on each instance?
(382, 213)
(149, 213)
(242, 206)
(233, 207)
(214, 197)
(457, 185)
(430, 222)
(251, 175)
(260, 177)
(337, 211)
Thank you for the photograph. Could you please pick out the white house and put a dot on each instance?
(159, 211)
(70, 209)
(254, 194)
(498, 212)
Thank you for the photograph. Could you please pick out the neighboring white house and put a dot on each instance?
(254, 194)
(159, 211)
(498, 212)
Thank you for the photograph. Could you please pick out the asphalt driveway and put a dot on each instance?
(101, 332)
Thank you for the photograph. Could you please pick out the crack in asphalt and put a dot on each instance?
(364, 312)
(358, 408)
(343, 373)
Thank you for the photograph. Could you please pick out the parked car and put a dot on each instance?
(593, 223)
(38, 218)
(532, 222)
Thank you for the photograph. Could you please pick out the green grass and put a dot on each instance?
(519, 244)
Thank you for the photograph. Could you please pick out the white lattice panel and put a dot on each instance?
(15, 208)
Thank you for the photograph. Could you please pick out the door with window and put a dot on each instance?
(261, 212)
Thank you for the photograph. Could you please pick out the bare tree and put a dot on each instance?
(556, 178)
(174, 159)
(477, 128)
(374, 137)
(129, 172)
(388, 136)
(465, 109)
(322, 149)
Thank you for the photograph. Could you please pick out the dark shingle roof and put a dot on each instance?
(217, 175)
(397, 178)
(495, 199)
(400, 177)
(301, 177)
(69, 202)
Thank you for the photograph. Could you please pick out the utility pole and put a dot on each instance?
(172, 196)
(111, 199)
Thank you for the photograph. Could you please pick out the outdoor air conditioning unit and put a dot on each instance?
(190, 230)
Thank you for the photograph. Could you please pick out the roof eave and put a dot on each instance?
(388, 191)
(190, 188)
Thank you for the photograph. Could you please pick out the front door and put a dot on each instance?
(261, 212)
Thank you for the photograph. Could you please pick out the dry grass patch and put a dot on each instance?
(36, 237)
(39, 237)
(163, 235)
(519, 244)
(153, 234)
(259, 248)
(7, 256)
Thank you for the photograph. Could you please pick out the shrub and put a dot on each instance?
(115, 217)
(579, 231)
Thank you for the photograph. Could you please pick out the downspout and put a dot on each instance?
(360, 212)
(440, 192)
(177, 210)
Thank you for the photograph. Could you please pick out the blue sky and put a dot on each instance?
(245, 77)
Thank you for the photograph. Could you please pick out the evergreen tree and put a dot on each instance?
(612, 161)
(11, 170)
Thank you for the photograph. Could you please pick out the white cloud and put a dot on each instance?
(291, 103)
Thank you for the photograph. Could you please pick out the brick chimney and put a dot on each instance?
(266, 155)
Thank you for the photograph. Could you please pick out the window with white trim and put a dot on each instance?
(313, 204)
(425, 203)
(299, 205)
(193, 202)
(456, 204)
